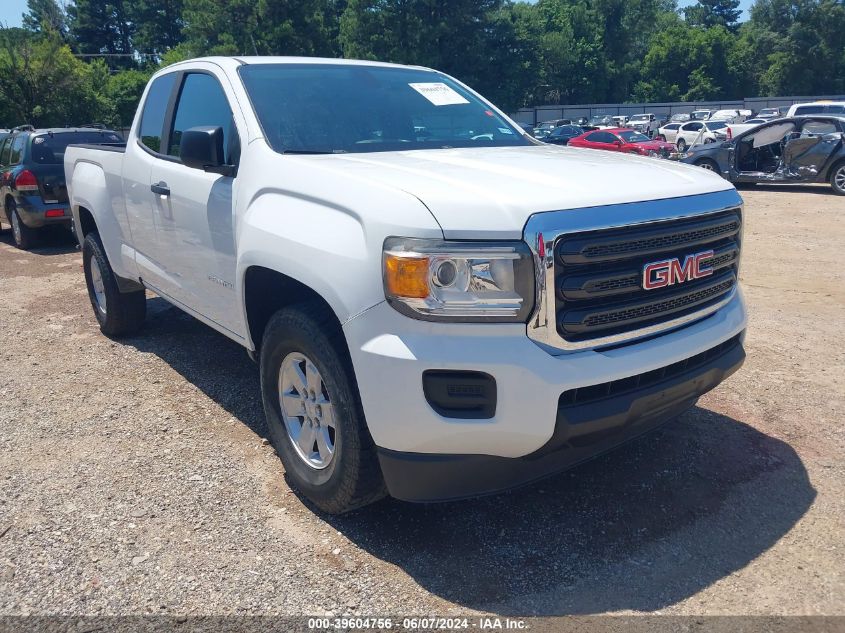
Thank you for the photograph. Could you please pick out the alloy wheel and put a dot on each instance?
(839, 178)
(307, 411)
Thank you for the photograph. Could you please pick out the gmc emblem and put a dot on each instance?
(670, 271)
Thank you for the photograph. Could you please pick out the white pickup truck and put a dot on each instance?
(441, 306)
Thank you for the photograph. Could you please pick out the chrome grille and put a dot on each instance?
(598, 274)
(589, 263)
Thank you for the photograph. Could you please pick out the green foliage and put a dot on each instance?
(90, 61)
(44, 84)
(707, 13)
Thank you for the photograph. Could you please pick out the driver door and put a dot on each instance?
(194, 210)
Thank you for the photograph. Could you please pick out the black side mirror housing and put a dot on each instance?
(202, 148)
(727, 145)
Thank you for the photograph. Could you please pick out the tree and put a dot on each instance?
(42, 83)
(289, 27)
(707, 13)
(158, 25)
(798, 46)
(123, 92)
(103, 27)
(45, 15)
(689, 64)
(221, 27)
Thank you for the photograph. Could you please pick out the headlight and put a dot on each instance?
(437, 280)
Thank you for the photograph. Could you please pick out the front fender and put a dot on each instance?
(327, 247)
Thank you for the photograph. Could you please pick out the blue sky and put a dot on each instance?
(11, 10)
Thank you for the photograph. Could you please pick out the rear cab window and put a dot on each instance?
(813, 109)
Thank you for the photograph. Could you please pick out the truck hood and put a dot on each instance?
(489, 193)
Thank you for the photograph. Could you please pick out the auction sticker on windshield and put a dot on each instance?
(439, 93)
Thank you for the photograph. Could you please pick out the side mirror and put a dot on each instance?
(618, 143)
(202, 148)
(727, 145)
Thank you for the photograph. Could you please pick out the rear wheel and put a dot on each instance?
(314, 413)
(24, 237)
(118, 313)
(682, 145)
(837, 179)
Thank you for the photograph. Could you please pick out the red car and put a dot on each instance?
(618, 139)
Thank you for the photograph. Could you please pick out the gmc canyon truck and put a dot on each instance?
(441, 306)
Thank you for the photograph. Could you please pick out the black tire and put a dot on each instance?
(837, 179)
(122, 313)
(24, 237)
(681, 145)
(352, 478)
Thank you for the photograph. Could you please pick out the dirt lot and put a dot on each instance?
(134, 478)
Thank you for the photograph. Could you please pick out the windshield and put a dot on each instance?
(715, 125)
(633, 137)
(600, 120)
(327, 108)
(639, 117)
(768, 111)
(49, 149)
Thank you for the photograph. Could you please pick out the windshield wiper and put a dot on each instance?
(314, 151)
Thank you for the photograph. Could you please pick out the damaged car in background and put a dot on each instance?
(807, 149)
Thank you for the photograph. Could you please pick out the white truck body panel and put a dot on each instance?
(322, 220)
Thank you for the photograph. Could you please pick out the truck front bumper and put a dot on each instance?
(539, 423)
(582, 431)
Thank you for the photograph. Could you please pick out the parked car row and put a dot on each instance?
(33, 193)
(798, 149)
(650, 124)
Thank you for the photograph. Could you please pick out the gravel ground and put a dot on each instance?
(135, 478)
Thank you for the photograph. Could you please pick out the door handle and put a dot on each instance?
(160, 188)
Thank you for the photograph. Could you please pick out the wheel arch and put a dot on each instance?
(266, 291)
(87, 224)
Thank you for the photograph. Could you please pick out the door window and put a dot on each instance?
(601, 137)
(155, 109)
(818, 128)
(18, 144)
(692, 127)
(202, 102)
(4, 151)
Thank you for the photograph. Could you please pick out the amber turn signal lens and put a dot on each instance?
(406, 276)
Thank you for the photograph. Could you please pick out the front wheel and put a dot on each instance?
(682, 145)
(837, 179)
(314, 413)
(118, 313)
(709, 165)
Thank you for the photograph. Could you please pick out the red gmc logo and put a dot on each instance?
(670, 271)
